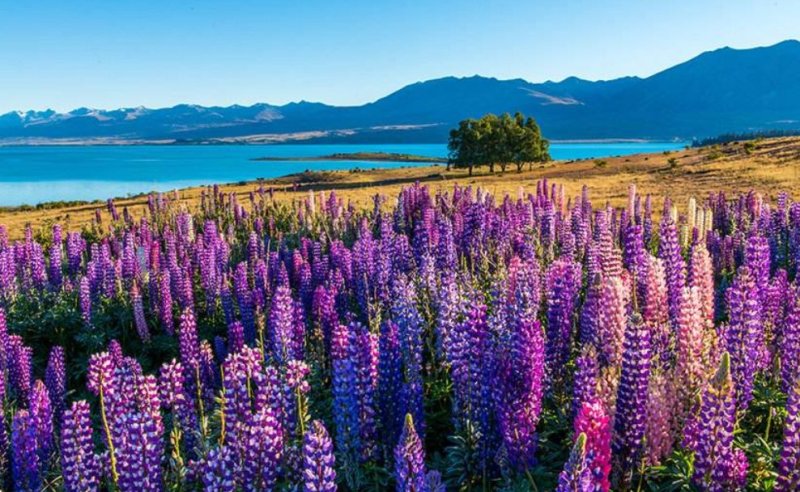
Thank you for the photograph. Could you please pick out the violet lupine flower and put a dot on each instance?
(218, 470)
(629, 419)
(41, 412)
(409, 460)
(669, 250)
(283, 345)
(742, 334)
(789, 465)
(319, 474)
(366, 357)
(345, 400)
(56, 381)
(263, 448)
(563, 285)
(19, 367)
(789, 343)
(390, 382)
(165, 302)
(410, 324)
(518, 392)
(55, 258)
(235, 337)
(188, 340)
(584, 388)
(244, 297)
(718, 466)
(175, 396)
(80, 467)
(576, 475)
(85, 299)
(138, 315)
(25, 465)
(139, 453)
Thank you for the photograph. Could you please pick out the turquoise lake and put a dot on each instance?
(30, 175)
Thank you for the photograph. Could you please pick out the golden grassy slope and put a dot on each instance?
(767, 166)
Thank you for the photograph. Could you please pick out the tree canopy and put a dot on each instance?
(497, 141)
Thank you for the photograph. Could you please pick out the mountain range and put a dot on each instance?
(721, 91)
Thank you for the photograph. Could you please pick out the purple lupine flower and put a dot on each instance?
(283, 345)
(563, 285)
(345, 400)
(319, 474)
(165, 302)
(55, 258)
(390, 382)
(410, 324)
(718, 466)
(138, 453)
(789, 343)
(366, 358)
(409, 460)
(56, 381)
(235, 337)
(175, 396)
(188, 340)
(263, 447)
(742, 334)
(576, 475)
(518, 391)
(41, 412)
(85, 299)
(19, 367)
(584, 388)
(138, 314)
(25, 465)
(669, 250)
(629, 419)
(218, 470)
(789, 465)
(244, 297)
(80, 467)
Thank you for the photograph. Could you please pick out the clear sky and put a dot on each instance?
(64, 54)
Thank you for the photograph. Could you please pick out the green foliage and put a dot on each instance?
(600, 163)
(497, 141)
(673, 162)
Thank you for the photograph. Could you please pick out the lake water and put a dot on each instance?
(30, 175)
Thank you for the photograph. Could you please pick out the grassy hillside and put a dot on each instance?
(767, 166)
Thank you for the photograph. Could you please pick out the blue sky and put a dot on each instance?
(63, 54)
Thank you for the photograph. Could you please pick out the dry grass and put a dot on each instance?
(770, 166)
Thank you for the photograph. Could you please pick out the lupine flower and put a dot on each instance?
(85, 296)
(25, 464)
(629, 419)
(409, 460)
(593, 422)
(563, 283)
(319, 474)
(576, 476)
(718, 465)
(56, 381)
(80, 467)
(789, 466)
(742, 338)
(218, 470)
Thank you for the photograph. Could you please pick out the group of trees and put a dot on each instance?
(497, 141)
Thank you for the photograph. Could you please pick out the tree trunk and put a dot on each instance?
(520, 165)
(470, 169)
(491, 168)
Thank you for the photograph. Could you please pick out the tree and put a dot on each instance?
(497, 141)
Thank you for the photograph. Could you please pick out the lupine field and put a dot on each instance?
(438, 341)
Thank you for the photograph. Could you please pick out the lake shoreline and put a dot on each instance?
(358, 157)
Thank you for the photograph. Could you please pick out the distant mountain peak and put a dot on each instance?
(724, 90)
